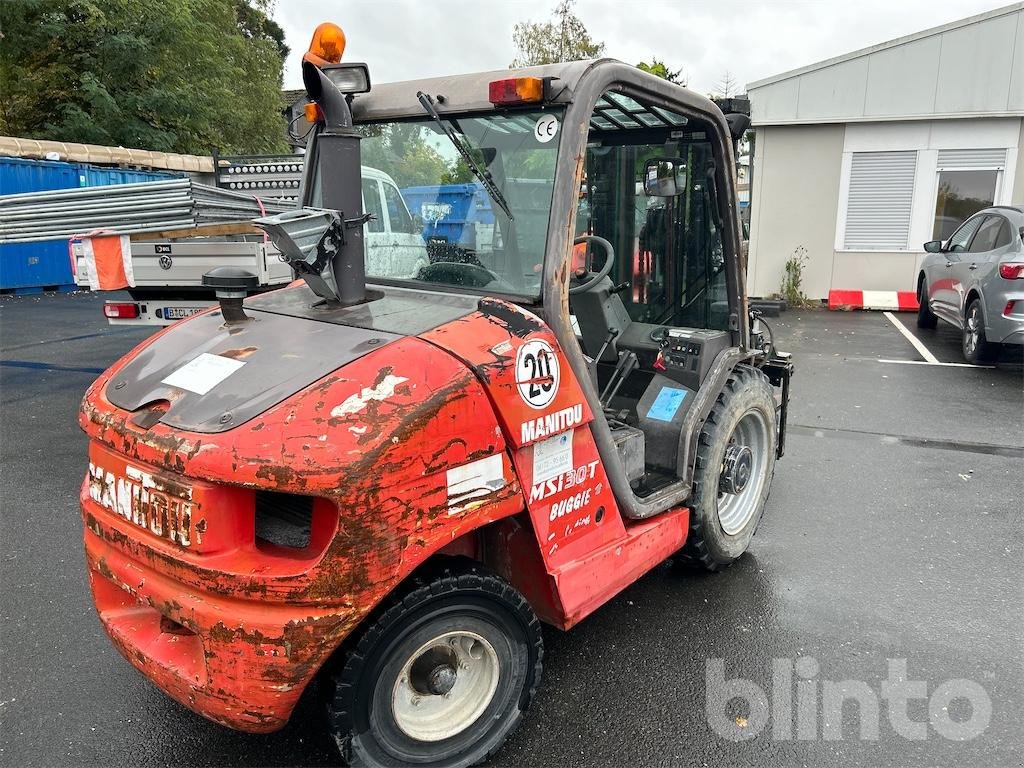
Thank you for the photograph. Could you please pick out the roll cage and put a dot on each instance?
(579, 86)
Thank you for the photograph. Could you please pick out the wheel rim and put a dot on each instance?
(444, 686)
(973, 329)
(744, 467)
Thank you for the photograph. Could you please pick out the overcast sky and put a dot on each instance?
(407, 39)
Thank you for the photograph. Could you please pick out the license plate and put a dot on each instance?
(180, 313)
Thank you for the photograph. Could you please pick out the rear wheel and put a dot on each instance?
(441, 677)
(977, 348)
(925, 317)
(735, 465)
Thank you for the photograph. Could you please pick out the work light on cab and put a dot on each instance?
(512, 91)
(349, 78)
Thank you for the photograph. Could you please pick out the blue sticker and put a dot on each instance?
(666, 404)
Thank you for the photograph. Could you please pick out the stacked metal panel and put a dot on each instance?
(274, 177)
(125, 209)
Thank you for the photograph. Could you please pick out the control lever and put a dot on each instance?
(628, 363)
(612, 334)
(619, 288)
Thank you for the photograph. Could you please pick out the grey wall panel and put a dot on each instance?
(795, 203)
(833, 92)
(776, 102)
(974, 68)
(1015, 99)
(902, 80)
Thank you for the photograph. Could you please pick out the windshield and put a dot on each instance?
(435, 222)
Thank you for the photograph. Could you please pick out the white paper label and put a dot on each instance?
(203, 373)
(552, 457)
(546, 128)
(474, 480)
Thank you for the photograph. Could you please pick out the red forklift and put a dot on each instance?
(385, 477)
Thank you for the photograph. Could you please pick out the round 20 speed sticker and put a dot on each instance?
(537, 373)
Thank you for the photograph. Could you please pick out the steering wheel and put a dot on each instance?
(596, 277)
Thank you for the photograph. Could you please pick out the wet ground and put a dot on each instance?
(893, 539)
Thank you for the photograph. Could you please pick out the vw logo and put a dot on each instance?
(165, 262)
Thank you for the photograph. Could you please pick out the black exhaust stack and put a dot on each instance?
(338, 154)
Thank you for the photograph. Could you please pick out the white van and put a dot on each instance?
(169, 273)
(394, 240)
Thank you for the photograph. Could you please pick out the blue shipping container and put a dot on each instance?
(450, 211)
(47, 264)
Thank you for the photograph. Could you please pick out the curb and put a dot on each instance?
(898, 301)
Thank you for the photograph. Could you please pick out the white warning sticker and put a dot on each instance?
(203, 373)
(552, 457)
(474, 480)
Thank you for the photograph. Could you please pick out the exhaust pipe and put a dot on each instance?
(339, 158)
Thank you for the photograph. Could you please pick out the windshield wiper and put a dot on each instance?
(482, 175)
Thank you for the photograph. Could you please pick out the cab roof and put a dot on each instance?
(469, 92)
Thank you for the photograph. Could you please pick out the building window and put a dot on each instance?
(879, 201)
(968, 181)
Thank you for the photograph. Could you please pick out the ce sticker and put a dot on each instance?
(546, 128)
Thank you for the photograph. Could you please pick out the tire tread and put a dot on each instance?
(449, 580)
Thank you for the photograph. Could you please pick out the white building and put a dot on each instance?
(861, 159)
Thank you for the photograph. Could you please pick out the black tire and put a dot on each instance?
(976, 347)
(747, 392)
(925, 317)
(365, 696)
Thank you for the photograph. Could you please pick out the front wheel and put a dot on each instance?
(925, 317)
(440, 678)
(735, 465)
(976, 346)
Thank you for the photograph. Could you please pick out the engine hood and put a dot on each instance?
(215, 377)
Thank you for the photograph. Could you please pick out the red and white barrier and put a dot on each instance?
(897, 301)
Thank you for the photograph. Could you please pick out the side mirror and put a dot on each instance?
(738, 124)
(933, 246)
(664, 177)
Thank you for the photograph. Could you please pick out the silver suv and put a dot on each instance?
(975, 281)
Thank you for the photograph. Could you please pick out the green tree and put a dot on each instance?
(173, 76)
(659, 68)
(563, 38)
(402, 152)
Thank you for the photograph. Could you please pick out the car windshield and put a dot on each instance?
(435, 222)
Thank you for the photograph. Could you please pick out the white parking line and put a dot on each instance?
(925, 362)
(921, 348)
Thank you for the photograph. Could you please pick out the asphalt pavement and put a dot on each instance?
(893, 536)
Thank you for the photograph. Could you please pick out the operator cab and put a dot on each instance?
(653, 317)
(499, 198)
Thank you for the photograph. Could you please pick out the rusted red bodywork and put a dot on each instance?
(235, 628)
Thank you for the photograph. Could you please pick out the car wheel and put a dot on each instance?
(925, 317)
(977, 348)
(440, 678)
(734, 469)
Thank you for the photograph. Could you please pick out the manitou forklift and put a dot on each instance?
(386, 483)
